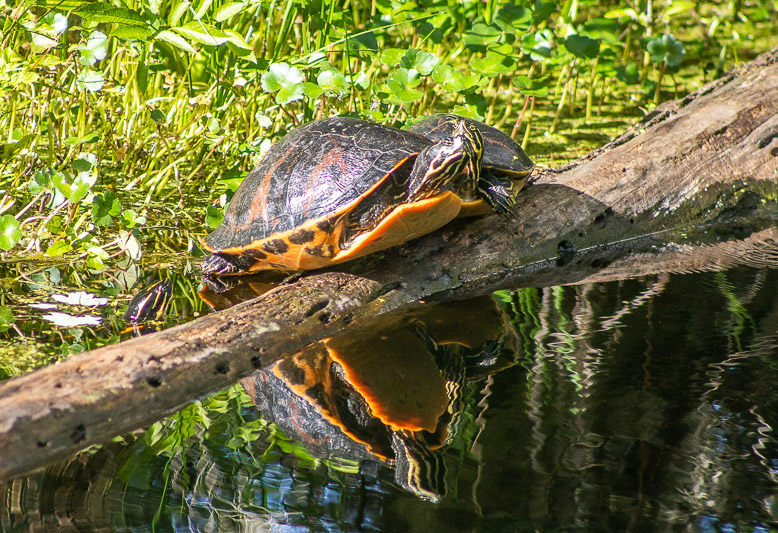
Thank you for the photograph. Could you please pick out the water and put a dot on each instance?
(645, 404)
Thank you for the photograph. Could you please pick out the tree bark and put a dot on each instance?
(695, 166)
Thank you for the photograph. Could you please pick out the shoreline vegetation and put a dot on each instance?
(127, 126)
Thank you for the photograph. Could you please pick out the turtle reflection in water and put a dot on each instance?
(395, 396)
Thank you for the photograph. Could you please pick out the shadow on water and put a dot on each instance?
(643, 404)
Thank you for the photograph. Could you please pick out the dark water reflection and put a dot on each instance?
(639, 405)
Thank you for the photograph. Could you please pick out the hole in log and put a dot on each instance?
(767, 139)
(318, 306)
(774, 152)
(58, 385)
(42, 444)
(154, 381)
(78, 434)
(600, 263)
(223, 367)
(325, 318)
(602, 216)
(256, 362)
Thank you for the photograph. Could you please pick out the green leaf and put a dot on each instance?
(480, 35)
(392, 56)
(538, 45)
(530, 87)
(6, 318)
(419, 60)
(202, 33)
(408, 77)
(131, 245)
(213, 216)
(666, 49)
(108, 13)
(312, 90)
(140, 33)
(228, 10)
(448, 78)
(237, 39)
(90, 80)
(332, 82)
(284, 80)
(623, 14)
(104, 207)
(676, 8)
(513, 19)
(131, 218)
(629, 74)
(10, 232)
(177, 12)
(94, 50)
(176, 40)
(142, 72)
(492, 64)
(96, 258)
(203, 9)
(582, 47)
(58, 248)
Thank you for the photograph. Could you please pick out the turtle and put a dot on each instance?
(505, 167)
(391, 391)
(393, 398)
(150, 303)
(339, 188)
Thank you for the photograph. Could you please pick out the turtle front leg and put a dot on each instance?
(499, 192)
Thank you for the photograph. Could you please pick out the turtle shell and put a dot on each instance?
(380, 397)
(293, 211)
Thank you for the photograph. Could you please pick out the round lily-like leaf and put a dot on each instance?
(530, 87)
(213, 216)
(512, 18)
(582, 47)
(332, 82)
(284, 80)
(10, 232)
(392, 56)
(94, 50)
(90, 80)
(482, 34)
(419, 60)
(448, 78)
(629, 74)
(492, 64)
(538, 45)
(666, 49)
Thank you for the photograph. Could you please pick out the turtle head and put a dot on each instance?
(453, 163)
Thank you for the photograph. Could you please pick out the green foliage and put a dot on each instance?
(167, 94)
(10, 232)
(6, 318)
(666, 49)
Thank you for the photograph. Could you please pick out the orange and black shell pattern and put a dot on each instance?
(289, 211)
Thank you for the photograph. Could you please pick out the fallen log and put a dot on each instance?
(694, 167)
